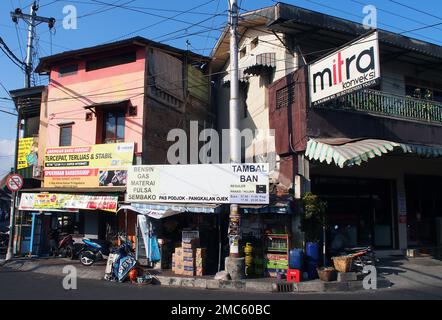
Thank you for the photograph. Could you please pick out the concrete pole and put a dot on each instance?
(234, 264)
(14, 196)
(30, 45)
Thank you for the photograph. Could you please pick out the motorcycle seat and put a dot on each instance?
(91, 243)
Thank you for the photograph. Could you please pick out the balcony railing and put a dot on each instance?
(372, 101)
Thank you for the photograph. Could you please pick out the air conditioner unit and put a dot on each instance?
(37, 172)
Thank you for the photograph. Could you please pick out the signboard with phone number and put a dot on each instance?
(246, 183)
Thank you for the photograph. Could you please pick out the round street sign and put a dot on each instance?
(14, 182)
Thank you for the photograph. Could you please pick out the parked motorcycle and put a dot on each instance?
(362, 256)
(92, 251)
(66, 247)
(121, 261)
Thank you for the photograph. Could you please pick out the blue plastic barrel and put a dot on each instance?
(296, 258)
(312, 255)
(312, 251)
(311, 270)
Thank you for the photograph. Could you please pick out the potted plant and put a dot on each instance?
(313, 224)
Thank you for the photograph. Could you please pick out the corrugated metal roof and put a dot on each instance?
(46, 62)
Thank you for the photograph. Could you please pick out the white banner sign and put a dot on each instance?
(202, 183)
(354, 67)
(50, 201)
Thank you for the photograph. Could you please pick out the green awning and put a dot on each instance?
(348, 152)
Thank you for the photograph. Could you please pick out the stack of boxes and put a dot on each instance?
(189, 259)
(200, 261)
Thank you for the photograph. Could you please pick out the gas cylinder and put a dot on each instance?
(248, 250)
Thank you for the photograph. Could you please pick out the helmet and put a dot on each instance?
(133, 274)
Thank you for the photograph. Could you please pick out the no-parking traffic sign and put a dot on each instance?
(14, 182)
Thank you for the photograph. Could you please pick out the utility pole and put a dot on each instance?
(234, 264)
(33, 21)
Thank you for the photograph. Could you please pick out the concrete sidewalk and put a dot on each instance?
(420, 272)
(96, 272)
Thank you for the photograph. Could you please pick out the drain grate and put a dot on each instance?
(284, 287)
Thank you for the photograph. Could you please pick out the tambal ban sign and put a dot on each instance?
(14, 182)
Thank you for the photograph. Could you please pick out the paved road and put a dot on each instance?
(27, 285)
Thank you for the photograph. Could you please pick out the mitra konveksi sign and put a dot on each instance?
(202, 183)
(355, 66)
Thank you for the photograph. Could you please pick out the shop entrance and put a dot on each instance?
(424, 210)
(360, 211)
(210, 228)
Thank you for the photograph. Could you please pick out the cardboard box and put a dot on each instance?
(200, 252)
(192, 244)
(179, 269)
(188, 271)
(200, 263)
(188, 251)
(189, 264)
(199, 271)
(189, 254)
(179, 252)
(173, 262)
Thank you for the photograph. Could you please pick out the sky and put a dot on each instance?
(173, 22)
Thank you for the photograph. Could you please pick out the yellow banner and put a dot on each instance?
(27, 152)
(101, 165)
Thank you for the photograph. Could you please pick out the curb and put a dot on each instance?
(209, 284)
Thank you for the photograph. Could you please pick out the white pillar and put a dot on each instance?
(401, 212)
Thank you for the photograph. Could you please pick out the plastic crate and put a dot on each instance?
(293, 275)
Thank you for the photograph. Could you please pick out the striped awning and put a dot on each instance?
(264, 62)
(346, 152)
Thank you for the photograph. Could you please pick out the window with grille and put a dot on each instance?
(285, 96)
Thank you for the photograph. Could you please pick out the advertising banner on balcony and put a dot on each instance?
(353, 67)
(27, 152)
(101, 165)
(202, 183)
(56, 201)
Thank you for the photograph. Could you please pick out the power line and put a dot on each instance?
(10, 113)
(415, 9)
(8, 52)
(394, 14)
(6, 90)
(156, 15)
(103, 10)
(102, 94)
(142, 8)
(164, 20)
(384, 24)
(18, 35)
(22, 29)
